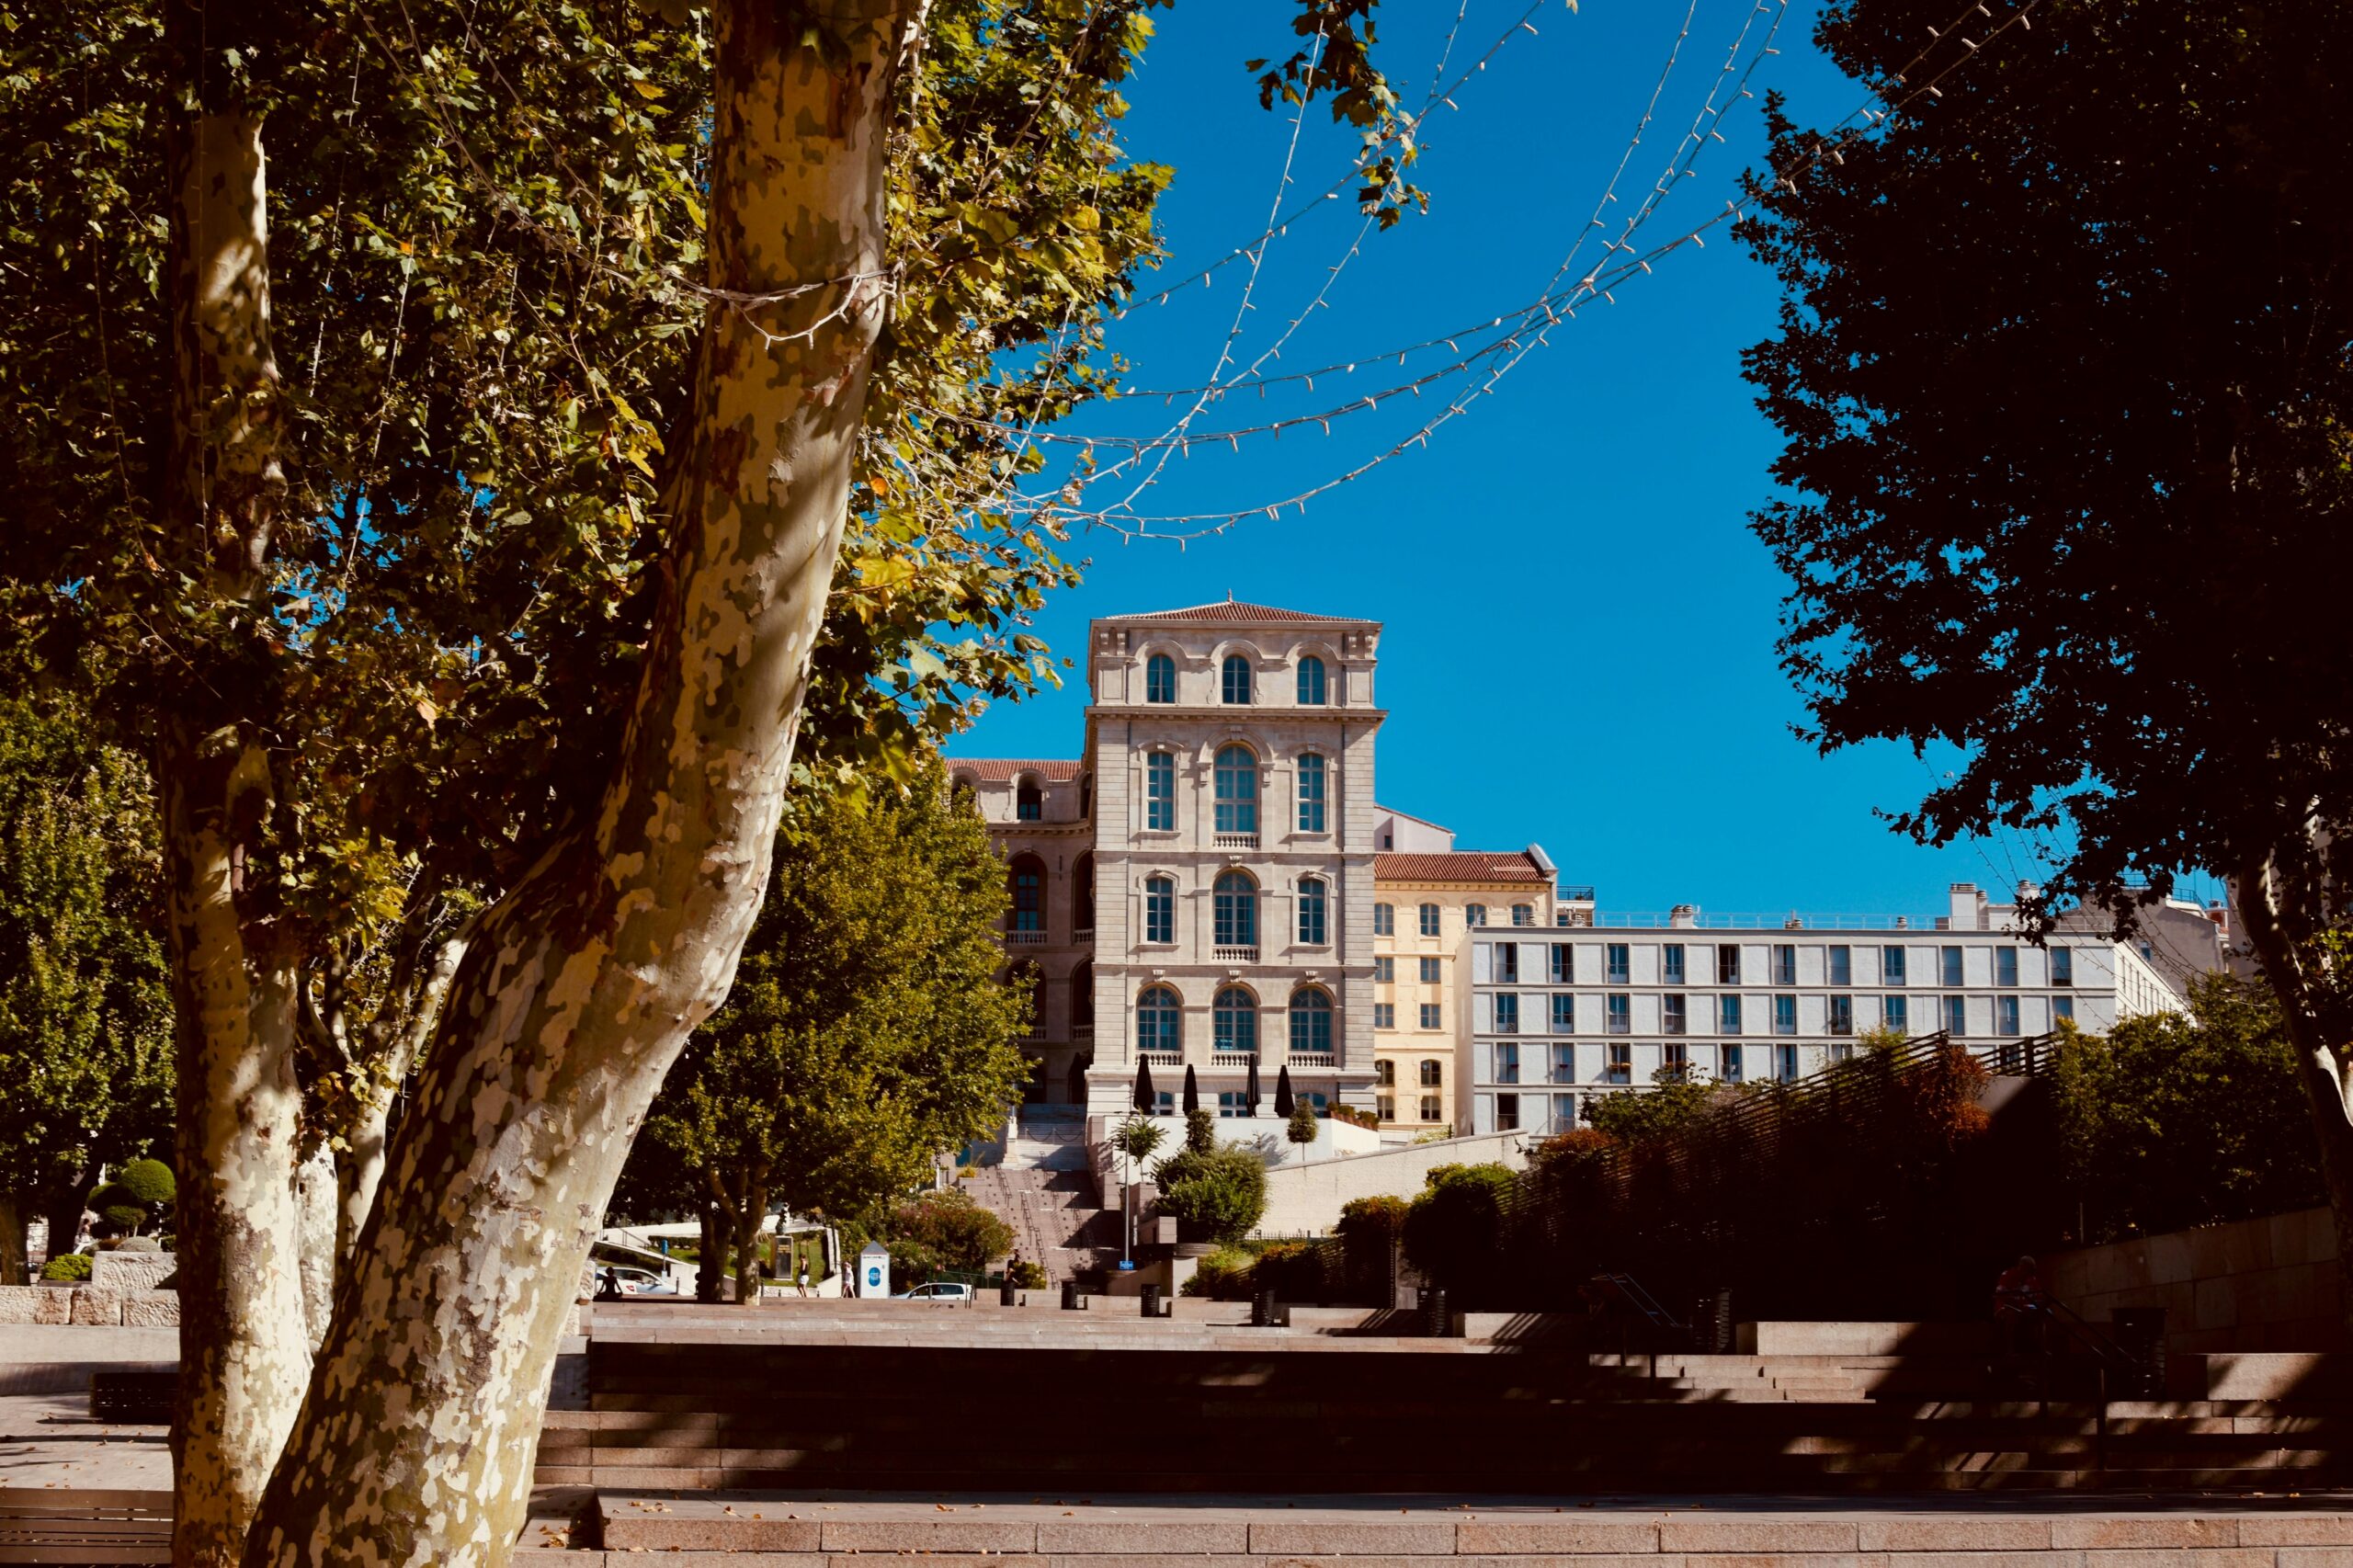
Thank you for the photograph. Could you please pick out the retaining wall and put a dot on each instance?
(2271, 1284)
(1305, 1200)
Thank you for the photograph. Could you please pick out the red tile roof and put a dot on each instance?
(1003, 770)
(1460, 865)
(1227, 612)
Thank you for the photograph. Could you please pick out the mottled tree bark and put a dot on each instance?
(63, 1211)
(751, 1209)
(416, 1439)
(243, 1354)
(361, 1170)
(13, 1268)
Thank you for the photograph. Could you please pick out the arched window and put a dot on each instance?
(1311, 1022)
(1236, 675)
(1082, 998)
(1029, 801)
(1158, 1017)
(1311, 682)
(1086, 797)
(1159, 910)
(1433, 1074)
(1160, 792)
(1474, 915)
(1384, 1072)
(1237, 911)
(1311, 911)
(1235, 1020)
(1082, 891)
(1160, 678)
(1029, 874)
(1311, 793)
(1237, 790)
(965, 792)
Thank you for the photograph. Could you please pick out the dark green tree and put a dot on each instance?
(1676, 1100)
(941, 1233)
(1454, 1232)
(2062, 369)
(1214, 1194)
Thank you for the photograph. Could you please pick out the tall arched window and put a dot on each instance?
(1158, 1017)
(1237, 790)
(1234, 1022)
(1384, 1072)
(1082, 893)
(1311, 793)
(1029, 801)
(1236, 675)
(1311, 911)
(1160, 678)
(1029, 874)
(1311, 682)
(1311, 1022)
(1159, 910)
(1160, 792)
(1082, 998)
(1237, 911)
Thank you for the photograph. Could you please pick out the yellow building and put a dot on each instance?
(1427, 897)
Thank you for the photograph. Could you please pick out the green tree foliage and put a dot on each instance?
(941, 1233)
(2169, 1121)
(135, 1199)
(1677, 1098)
(1214, 1194)
(1300, 1127)
(84, 1017)
(1454, 1231)
(867, 1032)
(1139, 1138)
(2067, 479)
(1371, 1232)
(1200, 1132)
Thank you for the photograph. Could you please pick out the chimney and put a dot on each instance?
(1683, 917)
(1968, 908)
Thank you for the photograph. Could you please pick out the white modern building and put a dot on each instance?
(1560, 1015)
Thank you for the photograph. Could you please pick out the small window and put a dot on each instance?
(1384, 919)
(1237, 680)
(1564, 1064)
(1618, 1063)
(2005, 1014)
(1082, 887)
(1160, 792)
(1384, 969)
(1895, 1013)
(1956, 1014)
(1429, 971)
(1670, 964)
(1230, 1103)
(1237, 790)
(1727, 963)
(1842, 1014)
(1384, 1015)
(1507, 1063)
(1433, 1073)
(1430, 1108)
(1672, 1017)
(1890, 966)
(1235, 911)
(1385, 1074)
(1431, 1017)
(1157, 1014)
(1523, 915)
(2063, 1009)
(1560, 970)
(1620, 1015)
(1506, 963)
(1620, 964)
(1159, 910)
(1564, 1013)
(1166, 1104)
(2005, 966)
(1029, 801)
(1507, 1014)
(1784, 1063)
(1160, 678)
(1311, 1022)
(2062, 966)
(1474, 915)
(1676, 1057)
(1734, 1065)
(1785, 1015)
(1842, 966)
(1785, 965)
(1311, 911)
(1385, 1106)
(1311, 793)
(1029, 894)
(1311, 682)
(1506, 1113)
(1428, 914)
(1951, 966)
(1234, 1022)
(1728, 1015)
(1564, 1113)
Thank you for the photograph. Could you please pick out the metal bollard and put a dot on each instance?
(1437, 1314)
(1151, 1301)
(1262, 1309)
(1071, 1300)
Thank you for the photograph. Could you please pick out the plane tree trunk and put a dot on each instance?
(416, 1439)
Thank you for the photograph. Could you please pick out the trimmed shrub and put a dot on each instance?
(1215, 1195)
(148, 1182)
(1369, 1231)
(1223, 1275)
(73, 1266)
(1454, 1233)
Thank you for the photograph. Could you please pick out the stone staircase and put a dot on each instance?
(1045, 1192)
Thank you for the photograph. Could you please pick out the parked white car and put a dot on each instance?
(951, 1295)
(641, 1281)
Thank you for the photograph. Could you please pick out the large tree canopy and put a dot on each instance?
(2064, 376)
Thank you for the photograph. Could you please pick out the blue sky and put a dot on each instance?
(1579, 626)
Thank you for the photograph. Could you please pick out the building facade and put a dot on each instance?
(1560, 1016)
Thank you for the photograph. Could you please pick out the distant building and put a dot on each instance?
(1560, 1016)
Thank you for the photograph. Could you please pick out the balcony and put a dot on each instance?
(1163, 1057)
(1313, 1058)
(1025, 938)
(1233, 840)
(1234, 955)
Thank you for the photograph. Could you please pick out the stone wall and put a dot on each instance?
(131, 1271)
(1306, 1200)
(92, 1306)
(2256, 1285)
